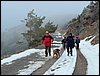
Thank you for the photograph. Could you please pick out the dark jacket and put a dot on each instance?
(70, 41)
(77, 40)
(64, 41)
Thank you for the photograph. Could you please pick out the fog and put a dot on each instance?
(12, 12)
(58, 11)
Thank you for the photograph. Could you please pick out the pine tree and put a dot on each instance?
(51, 27)
(35, 31)
(33, 22)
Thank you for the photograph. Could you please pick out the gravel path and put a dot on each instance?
(81, 64)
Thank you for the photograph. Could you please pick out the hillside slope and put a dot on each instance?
(86, 24)
(10, 38)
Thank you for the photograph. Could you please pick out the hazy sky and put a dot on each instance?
(14, 11)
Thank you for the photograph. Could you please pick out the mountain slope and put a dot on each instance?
(10, 38)
(86, 24)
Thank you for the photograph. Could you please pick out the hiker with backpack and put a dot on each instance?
(77, 41)
(47, 39)
(70, 43)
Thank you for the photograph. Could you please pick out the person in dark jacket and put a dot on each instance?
(70, 43)
(64, 43)
(77, 41)
(46, 40)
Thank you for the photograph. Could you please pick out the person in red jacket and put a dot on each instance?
(47, 40)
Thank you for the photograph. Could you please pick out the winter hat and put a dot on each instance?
(47, 32)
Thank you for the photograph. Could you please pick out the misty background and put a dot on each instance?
(12, 12)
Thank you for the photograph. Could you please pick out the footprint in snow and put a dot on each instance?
(57, 67)
(68, 61)
(64, 63)
(52, 69)
(65, 60)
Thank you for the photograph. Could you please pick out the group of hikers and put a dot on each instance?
(67, 42)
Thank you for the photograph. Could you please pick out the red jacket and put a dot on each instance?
(47, 39)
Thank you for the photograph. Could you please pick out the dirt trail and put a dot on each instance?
(18, 64)
(81, 64)
(80, 67)
(46, 66)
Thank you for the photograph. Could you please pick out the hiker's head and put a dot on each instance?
(64, 37)
(46, 32)
(70, 34)
(77, 36)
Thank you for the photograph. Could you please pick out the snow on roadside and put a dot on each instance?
(19, 55)
(31, 67)
(65, 65)
(91, 53)
(13, 57)
(35, 65)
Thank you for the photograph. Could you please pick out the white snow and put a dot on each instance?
(31, 67)
(65, 64)
(91, 53)
(20, 55)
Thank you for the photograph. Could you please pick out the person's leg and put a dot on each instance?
(71, 51)
(49, 50)
(78, 46)
(64, 46)
(68, 50)
(46, 49)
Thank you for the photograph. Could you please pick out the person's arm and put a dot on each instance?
(66, 39)
(62, 41)
(51, 38)
(73, 43)
(79, 40)
(42, 39)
